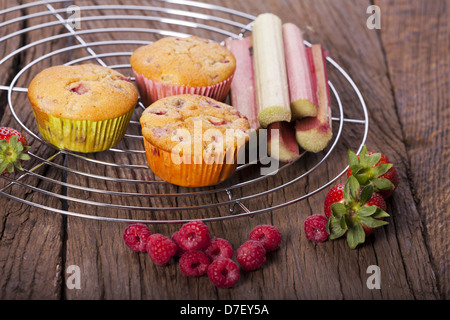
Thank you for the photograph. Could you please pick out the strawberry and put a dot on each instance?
(375, 169)
(13, 149)
(353, 212)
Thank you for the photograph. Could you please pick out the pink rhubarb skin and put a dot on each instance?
(301, 87)
(314, 133)
(281, 137)
(242, 91)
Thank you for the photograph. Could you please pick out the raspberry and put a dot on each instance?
(251, 255)
(223, 272)
(194, 263)
(160, 248)
(269, 236)
(315, 228)
(175, 238)
(219, 248)
(135, 237)
(193, 235)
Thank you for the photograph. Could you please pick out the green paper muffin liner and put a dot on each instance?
(84, 136)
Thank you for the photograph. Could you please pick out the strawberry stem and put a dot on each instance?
(12, 152)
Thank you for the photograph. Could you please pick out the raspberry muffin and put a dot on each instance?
(192, 140)
(172, 66)
(83, 108)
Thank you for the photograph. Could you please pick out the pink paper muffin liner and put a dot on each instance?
(150, 90)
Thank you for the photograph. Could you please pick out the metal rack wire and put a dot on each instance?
(189, 17)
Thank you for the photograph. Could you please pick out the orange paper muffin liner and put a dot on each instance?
(186, 174)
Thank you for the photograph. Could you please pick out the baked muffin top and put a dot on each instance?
(199, 123)
(191, 61)
(82, 92)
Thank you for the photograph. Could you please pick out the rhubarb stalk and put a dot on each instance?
(301, 87)
(242, 91)
(314, 133)
(272, 93)
(281, 143)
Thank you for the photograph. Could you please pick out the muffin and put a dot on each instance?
(192, 140)
(83, 108)
(172, 66)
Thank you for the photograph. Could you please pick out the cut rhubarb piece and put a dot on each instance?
(314, 133)
(301, 87)
(281, 142)
(242, 91)
(272, 92)
(80, 89)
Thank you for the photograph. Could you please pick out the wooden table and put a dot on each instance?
(401, 70)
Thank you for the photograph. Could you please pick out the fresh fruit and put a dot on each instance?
(223, 273)
(175, 238)
(315, 227)
(193, 235)
(213, 256)
(242, 90)
(194, 263)
(375, 169)
(160, 248)
(314, 133)
(301, 93)
(272, 92)
(281, 143)
(219, 248)
(353, 212)
(13, 150)
(136, 236)
(251, 255)
(269, 236)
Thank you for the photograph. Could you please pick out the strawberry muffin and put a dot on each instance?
(172, 66)
(192, 140)
(83, 108)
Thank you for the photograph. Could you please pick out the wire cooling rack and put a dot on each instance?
(78, 185)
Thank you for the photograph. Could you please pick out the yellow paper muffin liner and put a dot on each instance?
(190, 173)
(150, 90)
(83, 136)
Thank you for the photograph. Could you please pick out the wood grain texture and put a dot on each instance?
(416, 42)
(402, 78)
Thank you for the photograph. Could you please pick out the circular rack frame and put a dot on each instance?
(192, 16)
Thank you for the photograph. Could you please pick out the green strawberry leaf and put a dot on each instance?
(351, 189)
(338, 209)
(362, 176)
(363, 156)
(380, 213)
(355, 235)
(373, 159)
(355, 168)
(3, 166)
(366, 194)
(336, 227)
(381, 169)
(367, 211)
(371, 222)
(24, 156)
(3, 145)
(382, 184)
(352, 159)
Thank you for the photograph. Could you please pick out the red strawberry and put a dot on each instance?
(373, 168)
(353, 212)
(13, 149)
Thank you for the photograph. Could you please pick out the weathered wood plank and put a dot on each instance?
(299, 269)
(31, 240)
(416, 42)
